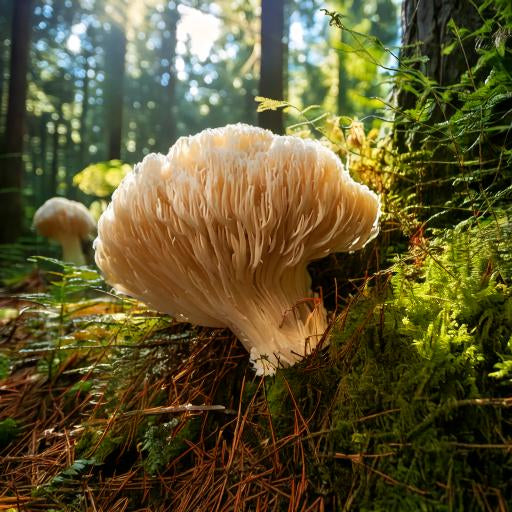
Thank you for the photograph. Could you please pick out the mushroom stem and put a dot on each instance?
(279, 327)
(71, 249)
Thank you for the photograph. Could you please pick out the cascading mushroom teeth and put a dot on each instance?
(219, 233)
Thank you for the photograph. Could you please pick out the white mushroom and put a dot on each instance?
(67, 222)
(219, 233)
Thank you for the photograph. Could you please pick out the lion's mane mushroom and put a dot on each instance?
(67, 222)
(219, 233)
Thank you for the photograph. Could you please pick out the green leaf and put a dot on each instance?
(448, 49)
(102, 178)
(269, 104)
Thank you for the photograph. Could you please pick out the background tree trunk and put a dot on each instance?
(272, 62)
(53, 181)
(11, 158)
(168, 136)
(84, 153)
(115, 52)
(70, 155)
(2, 68)
(41, 190)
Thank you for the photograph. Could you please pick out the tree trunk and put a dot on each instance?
(71, 160)
(168, 136)
(41, 192)
(11, 168)
(272, 62)
(54, 169)
(425, 32)
(2, 67)
(4, 26)
(84, 159)
(115, 52)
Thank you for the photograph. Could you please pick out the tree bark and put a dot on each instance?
(11, 159)
(2, 67)
(84, 159)
(425, 32)
(41, 193)
(426, 24)
(4, 26)
(70, 155)
(54, 168)
(115, 52)
(272, 62)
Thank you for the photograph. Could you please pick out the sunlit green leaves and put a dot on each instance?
(102, 178)
(269, 104)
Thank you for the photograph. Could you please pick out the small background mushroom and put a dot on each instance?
(67, 222)
(219, 233)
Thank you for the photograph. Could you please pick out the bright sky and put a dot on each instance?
(202, 29)
(74, 43)
(297, 36)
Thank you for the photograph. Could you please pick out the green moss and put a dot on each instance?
(418, 386)
(9, 430)
(98, 447)
(164, 442)
(5, 364)
(412, 388)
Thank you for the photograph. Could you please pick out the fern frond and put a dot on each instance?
(270, 104)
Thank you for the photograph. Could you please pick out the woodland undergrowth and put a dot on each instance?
(105, 405)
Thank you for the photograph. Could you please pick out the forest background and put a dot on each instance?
(118, 80)
(408, 406)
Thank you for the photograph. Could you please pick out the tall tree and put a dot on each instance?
(5, 9)
(11, 165)
(83, 158)
(438, 52)
(272, 62)
(54, 166)
(171, 17)
(427, 29)
(115, 54)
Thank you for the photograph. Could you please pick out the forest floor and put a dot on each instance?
(105, 405)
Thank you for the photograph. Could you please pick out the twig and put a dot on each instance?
(177, 409)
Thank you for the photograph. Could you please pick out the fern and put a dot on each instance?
(265, 104)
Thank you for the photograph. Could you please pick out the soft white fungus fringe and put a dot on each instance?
(219, 233)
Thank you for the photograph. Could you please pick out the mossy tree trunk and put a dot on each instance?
(425, 33)
(437, 50)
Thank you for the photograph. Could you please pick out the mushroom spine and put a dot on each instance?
(219, 233)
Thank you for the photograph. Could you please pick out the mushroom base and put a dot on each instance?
(281, 327)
